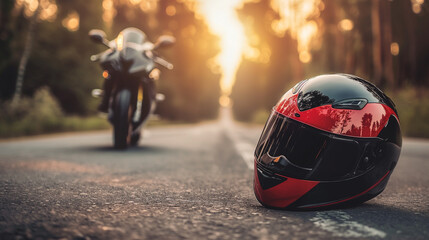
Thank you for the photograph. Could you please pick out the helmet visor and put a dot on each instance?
(290, 148)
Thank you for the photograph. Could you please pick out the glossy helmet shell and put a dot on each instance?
(331, 140)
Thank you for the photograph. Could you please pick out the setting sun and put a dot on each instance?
(235, 44)
(222, 18)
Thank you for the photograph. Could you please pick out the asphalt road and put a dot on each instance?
(183, 182)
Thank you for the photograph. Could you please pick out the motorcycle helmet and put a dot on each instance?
(331, 141)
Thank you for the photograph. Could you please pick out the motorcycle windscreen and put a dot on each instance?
(290, 148)
(133, 36)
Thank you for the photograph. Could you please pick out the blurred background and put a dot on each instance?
(239, 53)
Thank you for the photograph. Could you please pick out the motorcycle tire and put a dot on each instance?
(122, 123)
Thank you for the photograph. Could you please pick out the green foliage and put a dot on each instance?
(60, 58)
(42, 106)
(41, 114)
(31, 115)
(413, 110)
(77, 123)
(260, 116)
(6, 7)
(260, 84)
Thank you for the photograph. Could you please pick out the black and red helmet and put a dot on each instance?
(331, 140)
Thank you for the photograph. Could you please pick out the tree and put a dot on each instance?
(382, 38)
(26, 55)
(6, 7)
(60, 57)
(261, 81)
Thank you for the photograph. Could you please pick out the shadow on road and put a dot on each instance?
(136, 149)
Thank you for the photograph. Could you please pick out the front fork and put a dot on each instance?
(139, 105)
(145, 104)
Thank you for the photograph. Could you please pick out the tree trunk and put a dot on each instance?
(376, 41)
(386, 41)
(25, 56)
(330, 37)
(408, 54)
(382, 38)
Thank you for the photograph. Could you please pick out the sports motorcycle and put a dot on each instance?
(130, 68)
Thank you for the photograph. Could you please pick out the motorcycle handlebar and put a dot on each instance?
(163, 62)
(95, 58)
(150, 54)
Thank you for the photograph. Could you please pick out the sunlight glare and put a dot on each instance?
(346, 25)
(148, 6)
(394, 48)
(109, 12)
(135, 2)
(71, 22)
(170, 10)
(47, 8)
(224, 101)
(294, 17)
(223, 21)
(417, 6)
(221, 17)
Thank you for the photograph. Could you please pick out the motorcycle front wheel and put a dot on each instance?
(122, 127)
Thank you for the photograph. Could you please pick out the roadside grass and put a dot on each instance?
(413, 110)
(41, 114)
(260, 116)
(27, 127)
(64, 124)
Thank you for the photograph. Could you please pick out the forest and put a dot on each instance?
(45, 44)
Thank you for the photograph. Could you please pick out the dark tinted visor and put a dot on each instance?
(294, 149)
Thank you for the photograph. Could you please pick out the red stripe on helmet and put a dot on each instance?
(367, 122)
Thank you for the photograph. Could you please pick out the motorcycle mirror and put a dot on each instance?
(164, 41)
(98, 36)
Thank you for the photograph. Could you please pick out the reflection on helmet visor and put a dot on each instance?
(313, 153)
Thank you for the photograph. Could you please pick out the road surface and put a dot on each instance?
(183, 182)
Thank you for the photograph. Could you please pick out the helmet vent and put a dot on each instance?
(351, 104)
